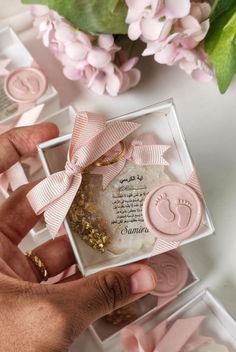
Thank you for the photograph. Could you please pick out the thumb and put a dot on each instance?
(90, 298)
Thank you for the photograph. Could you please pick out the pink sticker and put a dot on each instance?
(172, 273)
(25, 85)
(172, 212)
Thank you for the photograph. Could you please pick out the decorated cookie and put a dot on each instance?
(25, 85)
(172, 212)
(172, 273)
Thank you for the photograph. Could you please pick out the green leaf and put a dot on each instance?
(221, 6)
(94, 16)
(220, 45)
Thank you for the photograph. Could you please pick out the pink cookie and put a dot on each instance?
(25, 85)
(172, 212)
(172, 273)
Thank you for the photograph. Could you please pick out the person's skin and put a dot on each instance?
(43, 317)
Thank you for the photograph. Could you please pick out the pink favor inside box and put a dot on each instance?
(10, 44)
(103, 330)
(161, 121)
(218, 324)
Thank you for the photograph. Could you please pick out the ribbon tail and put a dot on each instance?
(179, 334)
(134, 339)
(16, 176)
(161, 246)
(149, 154)
(196, 342)
(53, 197)
(57, 211)
(23, 107)
(30, 117)
(3, 64)
(194, 183)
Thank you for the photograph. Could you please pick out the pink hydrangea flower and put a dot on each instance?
(153, 19)
(86, 57)
(172, 30)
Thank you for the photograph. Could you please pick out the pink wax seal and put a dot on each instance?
(172, 212)
(25, 85)
(172, 273)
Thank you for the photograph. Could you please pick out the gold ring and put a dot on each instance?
(39, 264)
(115, 159)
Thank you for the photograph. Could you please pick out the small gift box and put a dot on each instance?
(64, 119)
(127, 188)
(22, 83)
(174, 278)
(201, 324)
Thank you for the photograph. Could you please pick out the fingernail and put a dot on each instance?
(143, 281)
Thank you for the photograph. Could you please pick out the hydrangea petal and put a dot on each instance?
(76, 51)
(134, 77)
(167, 55)
(151, 28)
(135, 9)
(39, 10)
(177, 8)
(129, 64)
(98, 57)
(99, 84)
(134, 31)
(72, 73)
(201, 75)
(64, 33)
(105, 41)
(113, 85)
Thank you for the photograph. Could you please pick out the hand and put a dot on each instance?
(41, 317)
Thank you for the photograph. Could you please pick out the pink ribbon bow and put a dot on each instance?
(91, 139)
(15, 175)
(142, 151)
(182, 336)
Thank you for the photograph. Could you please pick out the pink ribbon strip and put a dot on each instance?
(91, 139)
(143, 151)
(15, 175)
(3, 65)
(181, 336)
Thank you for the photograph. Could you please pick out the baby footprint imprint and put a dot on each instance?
(184, 212)
(163, 208)
(33, 84)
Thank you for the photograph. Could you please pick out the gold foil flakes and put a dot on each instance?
(122, 316)
(86, 220)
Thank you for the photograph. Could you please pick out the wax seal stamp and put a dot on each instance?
(172, 212)
(172, 273)
(25, 85)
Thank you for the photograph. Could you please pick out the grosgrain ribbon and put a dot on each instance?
(142, 151)
(91, 139)
(15, 175)
(182, 336)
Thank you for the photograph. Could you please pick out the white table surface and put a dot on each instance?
(209, 122)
